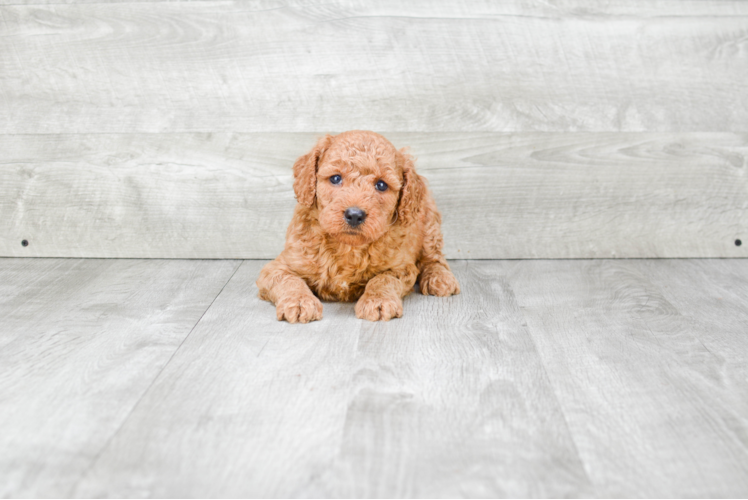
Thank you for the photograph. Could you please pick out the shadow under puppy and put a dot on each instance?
(365, 228)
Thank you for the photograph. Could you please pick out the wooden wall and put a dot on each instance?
(558, 129)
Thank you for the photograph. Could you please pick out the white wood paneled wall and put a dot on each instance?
(546, 129)
(229, 195)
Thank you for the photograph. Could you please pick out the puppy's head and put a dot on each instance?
(360, 184)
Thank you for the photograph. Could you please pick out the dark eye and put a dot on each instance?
(336, 179)
(381, 186)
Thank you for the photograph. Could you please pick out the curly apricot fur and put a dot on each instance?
(376, 263)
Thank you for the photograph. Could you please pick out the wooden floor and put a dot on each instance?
(170, 378)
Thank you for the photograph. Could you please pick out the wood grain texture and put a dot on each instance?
(451, 400)
(532, 195)
(653, 409)
(269, 65)
(80, 342)
(717, 315)
(509, 7)
(605, 378)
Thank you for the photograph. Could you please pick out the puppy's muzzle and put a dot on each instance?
(354, 216)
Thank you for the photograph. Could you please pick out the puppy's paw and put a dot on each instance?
(376, 308)
(299, 308)
(439, 281)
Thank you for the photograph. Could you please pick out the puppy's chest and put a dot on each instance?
(341, 273)
(344, 280)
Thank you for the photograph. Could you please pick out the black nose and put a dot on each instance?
(354, 216)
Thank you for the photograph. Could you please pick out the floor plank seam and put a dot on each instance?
(554, 391)
(145, 392)
(33, 281)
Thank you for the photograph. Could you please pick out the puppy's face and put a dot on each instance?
(358, 187)
(355, 179)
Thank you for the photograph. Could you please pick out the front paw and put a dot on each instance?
(299, 308)
(439, 281)
(376, 308)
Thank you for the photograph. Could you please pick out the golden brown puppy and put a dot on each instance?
(365, 228)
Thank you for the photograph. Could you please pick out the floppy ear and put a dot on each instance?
(305, 172)
(412, 191)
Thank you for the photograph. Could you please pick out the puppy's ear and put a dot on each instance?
(412, 191)
(305, 172)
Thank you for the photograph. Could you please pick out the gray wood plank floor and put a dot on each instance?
(140, 378)
(80, 343)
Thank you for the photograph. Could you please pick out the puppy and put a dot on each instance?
(365, 228)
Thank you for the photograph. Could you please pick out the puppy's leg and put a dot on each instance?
(435, 276)
(293, 299)
(382, 299)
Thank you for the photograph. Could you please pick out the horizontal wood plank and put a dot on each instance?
(508, 7)
(261, 66)
(531, 195)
